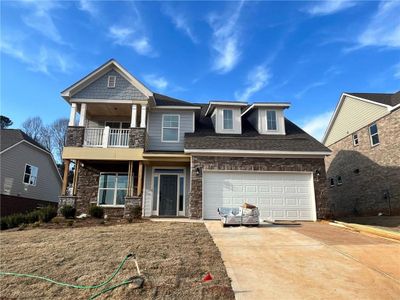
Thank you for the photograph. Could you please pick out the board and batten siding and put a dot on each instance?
(353, 115)
(48, 184)
(148, 190)
(154, 129)
(98, 89)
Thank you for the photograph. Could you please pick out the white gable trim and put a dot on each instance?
(112, 64)
(48, 153)
(270, 105)
(339, 105)
(211, 104)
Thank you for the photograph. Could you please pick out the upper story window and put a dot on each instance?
(271, 120)
(355, 139)
(170, 128)
(373, 133)
(227, 118)
(117, 125)
(30, 174)
(111, 81)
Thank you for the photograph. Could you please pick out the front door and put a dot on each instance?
(168, 195)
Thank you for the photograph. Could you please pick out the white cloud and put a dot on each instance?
(397, 71)
(125, 36)
(40, 18)
(309, 87)
(257, 79)
(225, 41)
(180, 21)
(159, 82)
(317, 125)
(88, 6)
(43, 60)
(384, 27)
(327, 7)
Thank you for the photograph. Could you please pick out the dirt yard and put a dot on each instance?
(172, 256)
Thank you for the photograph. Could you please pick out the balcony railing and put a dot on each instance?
(106, 137)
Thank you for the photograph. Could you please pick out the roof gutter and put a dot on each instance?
(257, 152)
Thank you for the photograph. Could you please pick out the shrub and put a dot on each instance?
(96, 211)
(3, 223)
(68, 211)
(136, 212)
(47, 213)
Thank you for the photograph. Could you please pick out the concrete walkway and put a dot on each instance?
(311, 261)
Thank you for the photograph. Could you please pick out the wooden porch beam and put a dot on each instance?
(75, 180)
(130, 179)
(65, 178)
(140, 179)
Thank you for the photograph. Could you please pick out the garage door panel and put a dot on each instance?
(278, 195)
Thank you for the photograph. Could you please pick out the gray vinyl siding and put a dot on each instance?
(98, 89)
(154, 130)
(148, 190)
(48, 184)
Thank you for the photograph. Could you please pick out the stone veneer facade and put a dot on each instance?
(258, 164)
(75, 136)
(137, 138)
(370, 174)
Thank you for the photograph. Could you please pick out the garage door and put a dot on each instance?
(279, 196)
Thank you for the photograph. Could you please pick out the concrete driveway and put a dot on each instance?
(310, 261)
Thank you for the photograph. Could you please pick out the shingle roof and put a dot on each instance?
(9, 137)
(383, 98)
(162, 100)
(294, 140)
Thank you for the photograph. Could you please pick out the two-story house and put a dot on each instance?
(364, 168)
(132, 146)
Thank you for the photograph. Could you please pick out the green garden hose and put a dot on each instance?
(83, 287)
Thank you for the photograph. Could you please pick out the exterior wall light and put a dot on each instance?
(198, 171)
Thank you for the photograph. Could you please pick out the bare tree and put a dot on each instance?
(58, 131)
(34, 128)
(5, 122)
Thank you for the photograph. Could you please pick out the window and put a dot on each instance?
(117, 125)
(30, 174)
(170, 128)
(155, 193)
(332, 181)
(339, 180)
(228, 118)
(373, 133)
(355, 139)
(271, 120)
(111, 82)
(113, 188)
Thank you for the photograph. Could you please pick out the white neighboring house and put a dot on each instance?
(29, 177)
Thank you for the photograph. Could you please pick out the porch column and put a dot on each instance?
(75, 182)
(130, 179)
(72, 115)
(82, 117)
(143, 116)
(140, 178)
(65, 177)
(133, 115)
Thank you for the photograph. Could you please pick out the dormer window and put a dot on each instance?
(111, 82)
(228, 118)
(271, 120)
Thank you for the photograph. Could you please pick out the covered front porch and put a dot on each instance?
(116, 186)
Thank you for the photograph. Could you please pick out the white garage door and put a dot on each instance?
(279, 196)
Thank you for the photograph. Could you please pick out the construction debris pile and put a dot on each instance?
(246, 214)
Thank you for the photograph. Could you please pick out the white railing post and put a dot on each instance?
(106, 134)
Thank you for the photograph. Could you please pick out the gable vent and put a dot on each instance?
(111, 81)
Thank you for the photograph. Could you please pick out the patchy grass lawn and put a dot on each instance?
(173, 257)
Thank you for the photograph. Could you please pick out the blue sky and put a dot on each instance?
(304, 52)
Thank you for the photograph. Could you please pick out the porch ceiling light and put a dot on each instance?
(198, 171)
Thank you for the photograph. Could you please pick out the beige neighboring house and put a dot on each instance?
(364, 168)
(29, 177)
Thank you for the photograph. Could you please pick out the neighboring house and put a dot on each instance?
(364, 168)
(175, 158)
(29, 177)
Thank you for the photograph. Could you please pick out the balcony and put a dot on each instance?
(106, 137)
